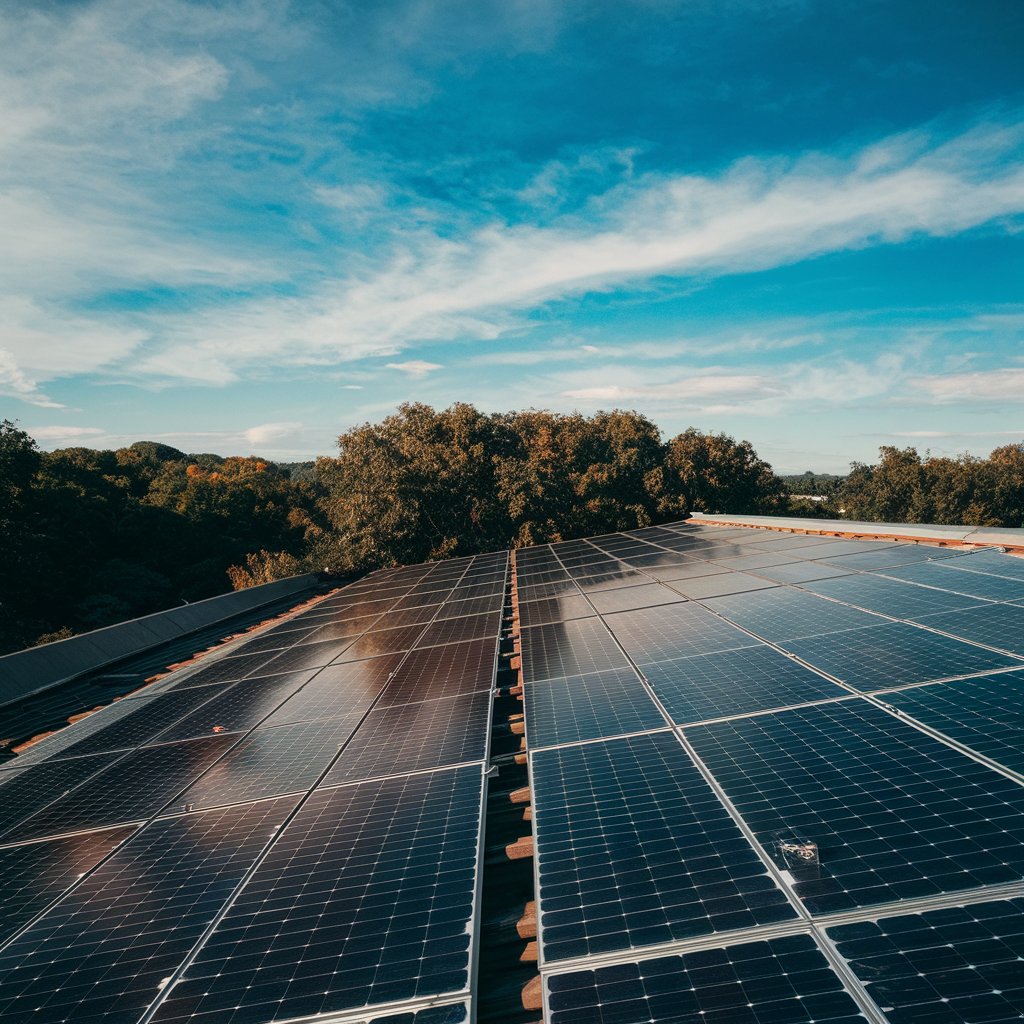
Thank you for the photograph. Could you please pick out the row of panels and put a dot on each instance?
(757, 793)
(321, 858)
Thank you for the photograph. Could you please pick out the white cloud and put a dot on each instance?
(699, 387)
(267, 433)
(14, 383)
(415, 367)
(1006, 384)
(64, 434)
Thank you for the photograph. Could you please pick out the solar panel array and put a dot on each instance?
(776, 777)
(290, 830)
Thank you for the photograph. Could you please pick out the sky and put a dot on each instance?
(244, 227)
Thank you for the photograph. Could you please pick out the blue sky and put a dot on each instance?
(244, 227)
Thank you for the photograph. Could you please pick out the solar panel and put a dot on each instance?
(892, 597)
(133, 788)
(454, 1013)
(674, 631)
(276, 640)
(471, 606)
(620, 578)
(337, 691)
(366, 897)
(992, 561)
(627, 598)
(985, 713)
(569, 649)
(946, 966)
(416, 737)
(784, 614)
(782, 981)
(432, 672)
(947, 577)
(588, 707)
(557, 609)
(469, 627)
(722, 583)
(894, 654)
(760, 559)
(272, 762)
(220, 670)
(997, 625)
(23, 793)
(734, 683)
(802, 572)
(902, 554)
(634, 848)
(894, 813)
(237, 709)
(102, 953)
(384, 641)
(35, 874)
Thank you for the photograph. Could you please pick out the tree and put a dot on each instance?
(716, 474)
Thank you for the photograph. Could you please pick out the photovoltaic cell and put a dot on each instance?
(35, 874)
(101, 954)
(785, 614)
(722, 583)
(272, 762)
(366, 897)
(759, 559)
(619, 579)
(133, 788)
(276, 640)
(734, 683)
(894, 813)
(626, 598)
(674, 631)
(25, 792)
(802, 572)
(469, 627)
(432, 672)
(416, 737)
(894, 654)
(634, 848)
(238, 709)
(456, 1013)
(557, 609)
(384, 641)
(588, 707)
(783, 981)
(902, 554)
(471, 606)
(337, 691)
(948, 577)
(985, 713)
(891, 597)
(997, 625)
(950, 966)
(569, 649)
(992, 561)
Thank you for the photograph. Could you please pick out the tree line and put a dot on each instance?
(95, 537)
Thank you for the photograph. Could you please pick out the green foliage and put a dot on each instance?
(905, 487)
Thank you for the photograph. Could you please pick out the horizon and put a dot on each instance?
(251, 225)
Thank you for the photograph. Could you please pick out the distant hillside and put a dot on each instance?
(813, 483)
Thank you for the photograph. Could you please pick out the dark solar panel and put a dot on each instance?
(384, 641)
(950, 966)
(902, 554)
(891, 597)
(997, 625)
(35, 874)
(992, 561)
(689, 571)
(734, 683)
(894, 654)
(674, 631)
(759, 559)
(273, 761)
(947, 577)
(126, 724)
(102, 953)
(470, 627)
(569, 649)
(626, 598)
(415, 737)
(133, 788)
(471, 606)
(785, 613)
(985, 713)
(547, 591)
(238, 709)
(610, 581)
(634, 848)
(443, 672)
(23, 793)
(723, 583)
(588, 707)
(558, 609)
(411, 616)
(219, 671)
(455, 1013)
(782, 981)
(276, 640)
(894, 813)
(338, 690)
(340, 630)
(802, 572)
(366, 897)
